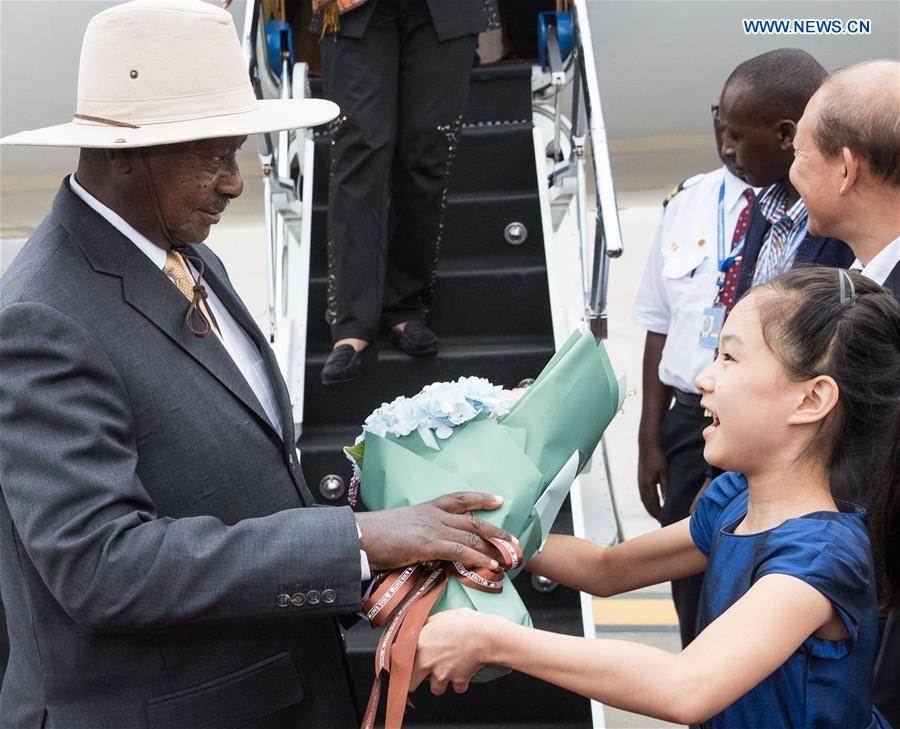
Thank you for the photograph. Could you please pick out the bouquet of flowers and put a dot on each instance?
(462, 436)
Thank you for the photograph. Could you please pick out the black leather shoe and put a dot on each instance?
(416, 340)
(344, 363)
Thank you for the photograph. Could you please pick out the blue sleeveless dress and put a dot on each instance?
(824, 684)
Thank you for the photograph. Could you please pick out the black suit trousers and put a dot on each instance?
(402, 93)
(682, 443)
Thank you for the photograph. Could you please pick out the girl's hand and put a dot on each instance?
(453, 647)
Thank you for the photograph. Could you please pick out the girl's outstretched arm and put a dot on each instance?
(660, 556)
(737, 651)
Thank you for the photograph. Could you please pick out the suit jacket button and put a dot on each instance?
(297, 599)
(283, 600)
(313, 597)
(329, 596)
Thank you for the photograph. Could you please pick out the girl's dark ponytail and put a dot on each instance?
(829, 322)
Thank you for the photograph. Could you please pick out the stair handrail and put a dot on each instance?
(607, 233)
(272, 155)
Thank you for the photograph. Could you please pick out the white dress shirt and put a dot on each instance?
(236, 341)
(679, 279)
(880, 267)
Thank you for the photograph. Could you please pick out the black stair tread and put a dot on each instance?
(498, 305)
(507, 71)
(461, 348)
(465, 266)
(315, 435)
(496, 196)
(460, 198)
(469, 268)
(468, 346)
(496, 130)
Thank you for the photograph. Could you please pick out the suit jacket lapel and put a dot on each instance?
(216, 278)
(242, 316)
(756, 233)
(146, 289)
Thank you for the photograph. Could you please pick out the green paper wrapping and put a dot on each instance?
(530, 457)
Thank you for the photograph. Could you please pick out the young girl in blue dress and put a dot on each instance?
(805, 397)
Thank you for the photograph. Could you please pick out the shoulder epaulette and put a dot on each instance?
(681, 186)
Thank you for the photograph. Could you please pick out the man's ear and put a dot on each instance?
(850, 163)
(818, 398)
(121, 161)
(787, 128)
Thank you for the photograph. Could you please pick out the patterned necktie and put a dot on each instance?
(728, 293)
(176, 269)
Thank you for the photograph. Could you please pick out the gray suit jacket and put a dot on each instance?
(152, 521)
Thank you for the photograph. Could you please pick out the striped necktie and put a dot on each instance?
(176, 269)
(728, 293)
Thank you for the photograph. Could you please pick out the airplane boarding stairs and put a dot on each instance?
(491, 310)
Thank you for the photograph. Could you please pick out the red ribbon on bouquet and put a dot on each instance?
(403, 599)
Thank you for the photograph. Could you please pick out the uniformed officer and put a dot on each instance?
(687, 287)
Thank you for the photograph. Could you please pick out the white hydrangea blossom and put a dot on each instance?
(440, 406)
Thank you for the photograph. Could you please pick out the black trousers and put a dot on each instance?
(402, 93)
(682, 443)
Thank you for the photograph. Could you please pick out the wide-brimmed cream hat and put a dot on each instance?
(164, 71)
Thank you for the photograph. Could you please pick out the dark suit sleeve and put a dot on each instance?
(68, 472)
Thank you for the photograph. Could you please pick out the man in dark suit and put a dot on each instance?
(160, 560)
(758, 110)
(399, 70)
(847, 168)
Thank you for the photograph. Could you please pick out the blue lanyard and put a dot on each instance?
(725, 261)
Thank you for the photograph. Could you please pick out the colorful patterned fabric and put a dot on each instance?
(789, 228)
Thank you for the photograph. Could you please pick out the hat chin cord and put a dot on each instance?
(199, 318)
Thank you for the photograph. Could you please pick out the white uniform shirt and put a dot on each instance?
(679, 279)
(880, 267)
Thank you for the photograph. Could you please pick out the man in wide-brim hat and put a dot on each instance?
(158, 564)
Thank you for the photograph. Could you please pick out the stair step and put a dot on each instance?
(495, 302)
(488, 158)
(398, 374)
(494, 158)
(499, 92)
(473, 228)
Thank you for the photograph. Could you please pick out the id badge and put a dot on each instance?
(711, 326)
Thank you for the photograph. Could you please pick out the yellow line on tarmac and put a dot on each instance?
(612, 611)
